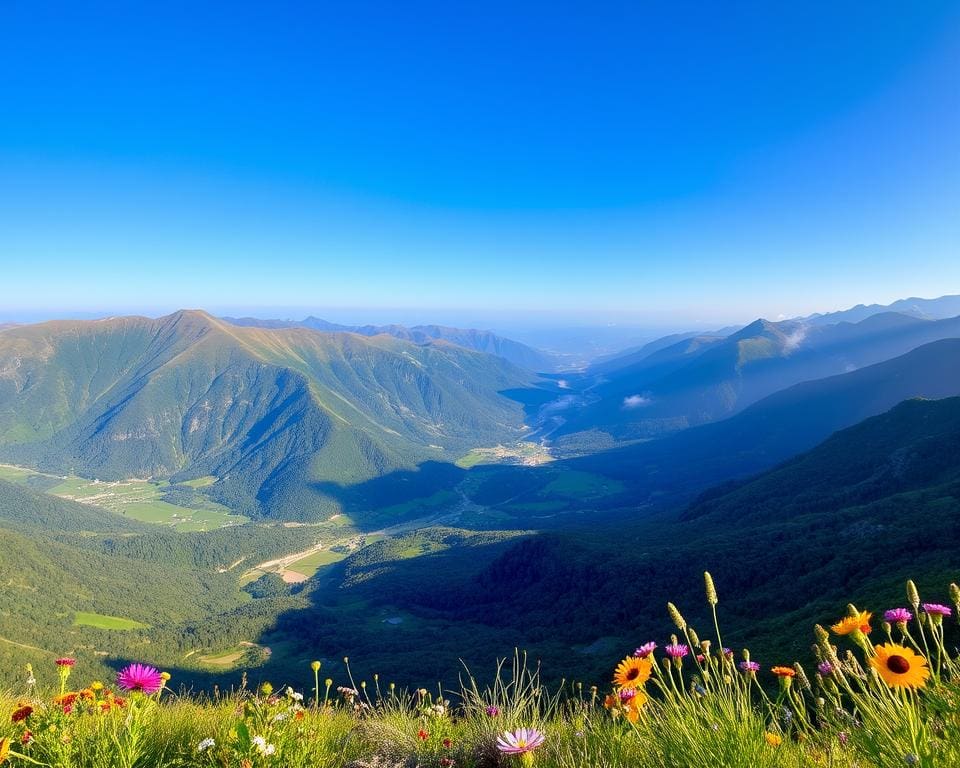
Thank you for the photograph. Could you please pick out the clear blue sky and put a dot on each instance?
(651, 161)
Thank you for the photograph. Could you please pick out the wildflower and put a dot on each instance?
(859, 622)
(520, 741)
(900, 667)
(315, 666)
(422, 735)
(447, 743)
(645, 650)
(266, 689)
(65, 661)
(825, 668)
(21, 713)
(676, 650)
(446, 762)
(783, 671)
(843, 737)
(140, 677)
(96, 685)
(26, 739)
(749, 666)
(773, 739)
(897, 615)
(632, 671)
(4, 748)
(204, 745)
(492, 710)
(936, 612)
(262, 747)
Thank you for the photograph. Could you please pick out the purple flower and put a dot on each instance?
(749, 666)
(492, 711)
(676, 650)
(935, 609)
(898, 615)
(728, 653)
(627, 694)
(140, 677)
(645, 650)
(519, 741)
(825, 668)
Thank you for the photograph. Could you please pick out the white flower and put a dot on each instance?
(262, 747)
(205, 744)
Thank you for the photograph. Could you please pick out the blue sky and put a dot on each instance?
(651, 163)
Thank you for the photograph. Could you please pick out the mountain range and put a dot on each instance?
(705, 378)
(269, 413)
(521, 355)
(407, 484)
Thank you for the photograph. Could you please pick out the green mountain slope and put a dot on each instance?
(848, 521)
(271, 413)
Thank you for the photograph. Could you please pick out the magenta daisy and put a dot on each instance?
(140, 677)
(676, 650)
(520, 741)
(898, 615)
(645, 650)
(935, 609)
(65, 662)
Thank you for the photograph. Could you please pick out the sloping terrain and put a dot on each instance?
(269, 413)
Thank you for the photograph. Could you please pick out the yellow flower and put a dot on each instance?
(315, 666)
(266, 689)
(632, 672)
(900, 667)
(849, 624)
(96, 685)
(4, 748)
(773, 739)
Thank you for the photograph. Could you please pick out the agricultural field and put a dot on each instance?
(100, 621)
(137, 499)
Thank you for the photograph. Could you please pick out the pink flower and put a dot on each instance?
(66, 661)
(749, 666)
(492, 711)
(676, 650)
(519, 741)
(645, 650)
(140, 677)
(898, 615)
(935, 609)
(825, 668)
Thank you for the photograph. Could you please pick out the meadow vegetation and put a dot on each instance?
(883, 690)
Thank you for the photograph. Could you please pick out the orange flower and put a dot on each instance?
(784, 671)
(632, 672)
(849, 624)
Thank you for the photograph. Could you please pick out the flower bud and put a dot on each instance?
(711, 590)
(676, 617)
(913, 597)
(315, 666)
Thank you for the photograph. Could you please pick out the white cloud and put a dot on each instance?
(636, 401)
